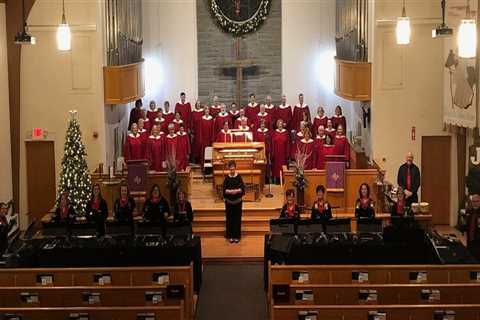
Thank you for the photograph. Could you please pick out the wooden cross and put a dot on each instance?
(239, 64)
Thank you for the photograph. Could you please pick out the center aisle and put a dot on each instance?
(232, 291)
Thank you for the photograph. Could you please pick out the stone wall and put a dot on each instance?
(216, 47)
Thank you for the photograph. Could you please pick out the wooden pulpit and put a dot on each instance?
(335, 176)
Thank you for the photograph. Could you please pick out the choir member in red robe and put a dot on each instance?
(234, 113)
(160, 121)
(319, 120)
(135, 113)
(141, 129)
(147, 124)
(265, 117)
(252, 109)
(225, 135)
(262, 134)
(342, 147)
(241, 118)
(178, 121)
(183, 149)
(167, 114)
(134, 148)
(280, 150)
(215, 108)
(330, 130)
(306, 147)
(244, 133)
(156, 149)
(171, 146)
(305, 124)
(220, 119)
(185, 109)
(298, 136)
(197, 115)
(328, 147)
(339, 120)
(320, 154)
(206, 132)
(284, 112)
(298, 111)
(270, 108)
(152, 112)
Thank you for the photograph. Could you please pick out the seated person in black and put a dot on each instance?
(399, 207)
(364, 206)
(290, 210)
(97, 209)
(64, 212)
(183, 208)
(4, 227)
(156, 208)
(124, 206)
(321, 209)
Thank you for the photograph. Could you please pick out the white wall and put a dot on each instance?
(5, 152)
(52, 83)
(170, 50)
(308, 51)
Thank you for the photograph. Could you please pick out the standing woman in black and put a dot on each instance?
(97, 209)
(124, 206)
(156, 208)
(233, 191)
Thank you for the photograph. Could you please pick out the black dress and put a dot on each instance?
(290, 212)
(233, 206)
(123, 212)
(322, 212)
(364, 209)
(67, 219)
(155, 211)
(413, 172)
(98, 216)
(183, 212)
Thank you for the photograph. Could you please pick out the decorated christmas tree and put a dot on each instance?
(74, 177)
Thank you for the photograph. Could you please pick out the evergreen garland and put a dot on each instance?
(74, 176)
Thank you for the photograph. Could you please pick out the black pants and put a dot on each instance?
(413, 198)
(233, 223)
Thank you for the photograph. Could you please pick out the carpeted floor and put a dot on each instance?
(231, 292)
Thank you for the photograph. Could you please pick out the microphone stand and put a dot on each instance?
(269, 167)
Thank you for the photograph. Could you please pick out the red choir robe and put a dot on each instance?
(183, 151)
(135, 114)
(214, 110)
(220, 120)
(293, 149)
(339, 120)
(238, 122)
(328, 150)
(332, 133)
(168, 117)
(196, 126)
(152, 115)
(263, 135)
(308, 126)
(244, 136)
(156, 152)
(224, 136)
(320, 153)
(206, 134)
(251, 111)
(134, 148)
(177, 124)
(185, 110)
(147, 125)
(263, 116)
(317, 122)
(308, 148)
(144, 135)
(297, 116)
(270, 109)
(234, 115)
(162, 124)
(342, 147)
(171, 147)
(280, 151)
(284, 113)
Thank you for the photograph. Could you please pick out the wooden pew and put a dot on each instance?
(98, 313)
(104, 277)
(399, 312)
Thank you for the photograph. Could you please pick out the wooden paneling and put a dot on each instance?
(353, 80)
(436, 176)
(40, 177)
(461, 165)
(123, 84)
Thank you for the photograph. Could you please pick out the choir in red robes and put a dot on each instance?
(294, 148)
(206, 134)
(156, 151)
(251, 111)
(134, 148)
(238, 122)
(320, 153)
(220, 121)
(177, 123)
(263, 135)
(135, 114)
(224, 136)
(307, 147)
(168, 116)
(162, 124)
(319, 121)
(171, 147)
(185, 110)
(284, 112)
(215, 109)
(183, 150)
(280, 151)
(197, 115)
(339, 120)
(297, 116)
(342, 147)
(152, 115)
(244, 136)
(234, 115)
(265, 117)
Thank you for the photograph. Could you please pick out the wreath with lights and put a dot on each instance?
(239, 28)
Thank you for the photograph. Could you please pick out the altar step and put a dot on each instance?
(215, 231)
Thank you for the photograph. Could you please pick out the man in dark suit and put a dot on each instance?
(409, 179)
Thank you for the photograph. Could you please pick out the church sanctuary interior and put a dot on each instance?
(239, 159)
